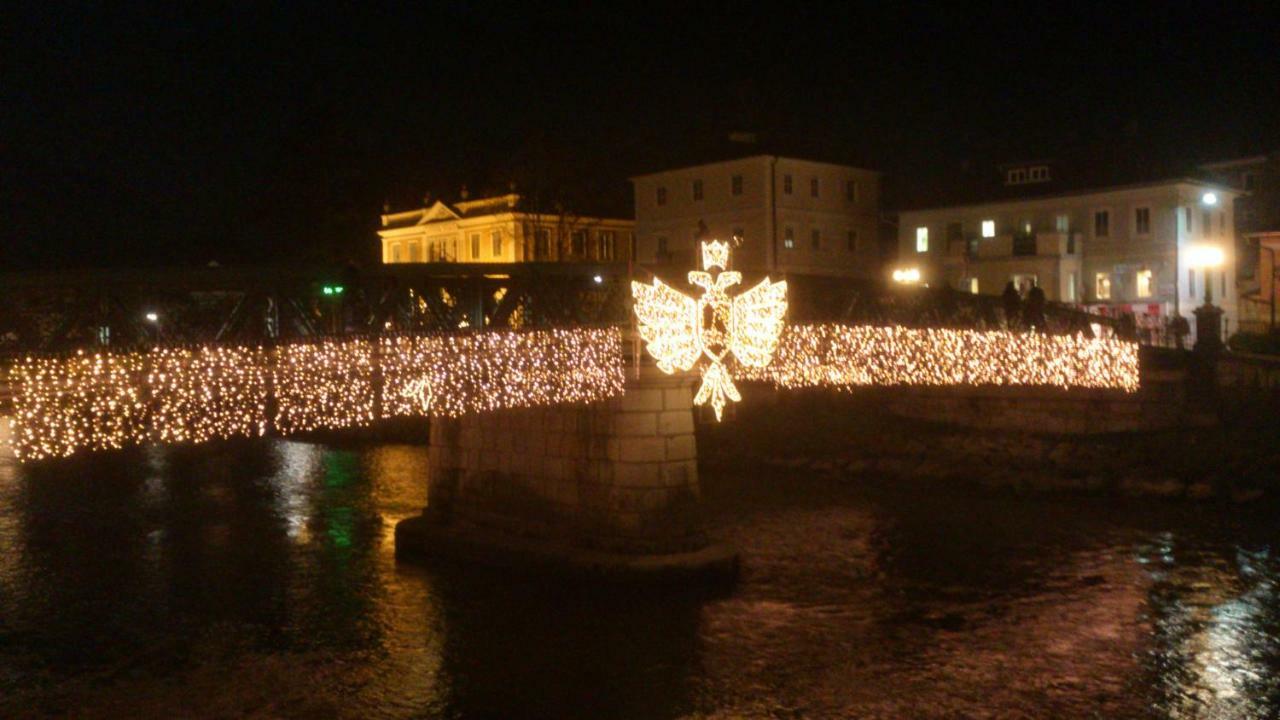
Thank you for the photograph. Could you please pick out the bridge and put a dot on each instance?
(551, 440)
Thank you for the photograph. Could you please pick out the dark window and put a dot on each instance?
(475, 245)
(697, 189)
(662, 247)
(496, 238)
(1206, 223)
(815, 239)
(1224, 284)
(1102, 224)
(737, 184)
(786, 184)
(632, 238)
(851, 241)
(813, 187)
(1191, 282)
(955, 234)
(542, 244)
(606, 244)
(851, 190)
(1142, 220)
(578, 242)
(662, 196)
(788, 238)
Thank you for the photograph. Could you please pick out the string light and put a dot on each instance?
(677, 329)
(85, 402)
(207, 393)
(843, 356)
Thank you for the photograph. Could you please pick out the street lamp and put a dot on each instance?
(1208, 316)
(907, 276)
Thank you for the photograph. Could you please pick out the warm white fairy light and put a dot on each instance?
(677, 329)
(844, 355)
(82, 402)
(327, 384)
(480, 372)
(64, 405)
(200, 394)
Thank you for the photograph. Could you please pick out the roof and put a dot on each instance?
(1207, 184)
(985, 183)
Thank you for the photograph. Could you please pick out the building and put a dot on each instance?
(1257, 220)
(499, 230)
(1137, 248)
(791, 215)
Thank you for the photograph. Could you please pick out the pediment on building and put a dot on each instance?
(437, 212)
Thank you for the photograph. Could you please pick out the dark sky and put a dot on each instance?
(153, 134)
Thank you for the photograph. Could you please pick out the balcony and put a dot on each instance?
(1040, 244)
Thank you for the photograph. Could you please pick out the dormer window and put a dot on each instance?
(1026, 175)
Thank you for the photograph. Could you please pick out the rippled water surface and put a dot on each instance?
(259, 580)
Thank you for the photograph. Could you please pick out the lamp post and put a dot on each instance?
(1208, 315)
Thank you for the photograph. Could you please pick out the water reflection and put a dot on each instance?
(260, 579)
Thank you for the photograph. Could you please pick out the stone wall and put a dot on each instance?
(619, 475)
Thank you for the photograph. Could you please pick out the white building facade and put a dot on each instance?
(791, 215)
(1143, 249)
(496, 230)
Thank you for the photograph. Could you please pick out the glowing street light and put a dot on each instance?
(907, 276)
(152, 317)
(1206, 257)
(598, 280)
(1209, 198)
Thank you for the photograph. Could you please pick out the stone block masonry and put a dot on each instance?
(618, 476)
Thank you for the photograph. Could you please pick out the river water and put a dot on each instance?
(258, 579)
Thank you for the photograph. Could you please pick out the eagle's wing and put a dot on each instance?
(668, 324)
(757, 322)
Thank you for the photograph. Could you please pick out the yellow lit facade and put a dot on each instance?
(497, 230)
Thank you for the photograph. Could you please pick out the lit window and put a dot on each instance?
(578, 243)
(813, 187)
(1061, 223)
(969, 285)
(496, 239)
(662, 196)
(1142, 221)
(1038, 173)
(851, 190)
(1144, 283)
(736, 184)
(475, 246)
(1072, 279)
(1101, 224)
(788, 238)
(1026, 227)
(922, 239)
(1016, 177)
(738, 232)
(1102, 286)
(815, 239)
(851, 241)
(697, 189)
(988, 228)
(605, 245)
(786, 184)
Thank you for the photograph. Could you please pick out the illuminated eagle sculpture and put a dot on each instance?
(678, 329)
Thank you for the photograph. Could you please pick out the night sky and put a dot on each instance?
(144, 135)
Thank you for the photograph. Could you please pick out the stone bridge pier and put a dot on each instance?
(607, 489)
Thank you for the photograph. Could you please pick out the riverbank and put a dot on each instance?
(857, 436)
